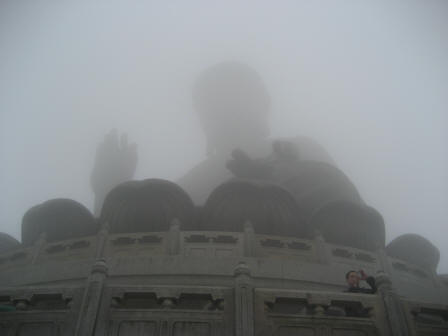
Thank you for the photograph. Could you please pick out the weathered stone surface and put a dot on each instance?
(415, 249)
(148, 205)
(59, 219)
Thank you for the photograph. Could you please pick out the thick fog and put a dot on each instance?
(368, 80)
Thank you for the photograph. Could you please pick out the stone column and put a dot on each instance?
(393, 309)
(174, 237)
(101, 240)
(384, 261)
(91, 300)
(322, 250)
(249, 239)
(244, 301)
(38, 245)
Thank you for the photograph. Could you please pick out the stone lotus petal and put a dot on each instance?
(314, 184)
(7, 242)
(414, 249)
(350, 224)
(59, 219)
(269, 207)
(148, 205)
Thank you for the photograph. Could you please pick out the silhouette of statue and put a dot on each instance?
(234, 107)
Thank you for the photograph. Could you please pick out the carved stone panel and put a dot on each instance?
(36, 329)
(166, 311)
(188, 328)
(137, 328)
(294, 330)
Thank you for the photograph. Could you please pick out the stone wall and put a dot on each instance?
(211, 283)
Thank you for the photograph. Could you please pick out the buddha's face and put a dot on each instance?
(233, 106)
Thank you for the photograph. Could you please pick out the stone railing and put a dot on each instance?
(150, 243)
(17, 257)
(209, 244)
(289, 247)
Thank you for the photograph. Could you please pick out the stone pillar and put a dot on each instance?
(91, 300)
(322, 250)
(393, 309)
(101, 240)
(174, 237)
(384, 261)
(244, 301)
(249, 239)
(38, 245)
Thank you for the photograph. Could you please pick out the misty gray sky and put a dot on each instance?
(366, 79)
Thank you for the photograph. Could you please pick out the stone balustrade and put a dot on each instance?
(210, 244)
(209, 283)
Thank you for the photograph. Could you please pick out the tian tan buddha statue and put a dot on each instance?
(234, 107)
(253, 240)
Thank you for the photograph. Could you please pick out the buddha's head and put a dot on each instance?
(233, 106)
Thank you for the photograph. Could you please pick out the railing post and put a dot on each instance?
(384, 261)
(322, 250)
(174, 237)
(249, 239)
(393, 310)
(38, 245)
(244, 301)
(101, 240)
